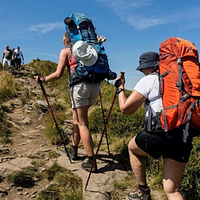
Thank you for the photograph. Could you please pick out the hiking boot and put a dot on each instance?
(139, 195)
(73, 152)
(87, 164)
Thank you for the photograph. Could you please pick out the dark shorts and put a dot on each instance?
(166, 145)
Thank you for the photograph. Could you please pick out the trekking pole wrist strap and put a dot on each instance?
(120, 90)
(43, 79)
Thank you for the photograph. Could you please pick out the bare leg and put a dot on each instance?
(172, 175)
(76, 133)
(83, 124)
(137, 162)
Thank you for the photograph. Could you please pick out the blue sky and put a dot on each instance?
(130, 26)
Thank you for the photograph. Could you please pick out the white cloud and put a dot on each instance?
(140, 23)
(126, 4)
(143, 14)
(136, 13)
(46, 27)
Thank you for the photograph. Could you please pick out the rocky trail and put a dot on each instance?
(28, 139)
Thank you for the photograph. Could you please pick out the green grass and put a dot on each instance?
(8, 86)
(38, 155)
(24, 178)
(121, 187)
(4, 128)
(65, 185)
(54, 154)
(8, 90)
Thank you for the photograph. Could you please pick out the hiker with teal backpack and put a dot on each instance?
(153, 141)
(87, 65)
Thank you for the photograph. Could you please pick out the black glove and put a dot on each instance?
(119, 82)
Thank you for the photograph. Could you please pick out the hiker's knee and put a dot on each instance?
(170, 188)
(132, 147)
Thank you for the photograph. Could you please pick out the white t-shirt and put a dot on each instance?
(148, 87)
(18, 54)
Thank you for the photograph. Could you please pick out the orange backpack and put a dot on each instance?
(180, 85)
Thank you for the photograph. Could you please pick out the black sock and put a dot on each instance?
(143, 187)
(74, 147)
(91, 157)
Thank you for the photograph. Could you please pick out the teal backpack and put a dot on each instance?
(80, 27)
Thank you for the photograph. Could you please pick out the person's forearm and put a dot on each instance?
(52, 77)
(122, 100)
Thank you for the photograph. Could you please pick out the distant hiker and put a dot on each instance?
(153, 142)
(6, 57)
(13, 57)
(13, 61)
(18, 57)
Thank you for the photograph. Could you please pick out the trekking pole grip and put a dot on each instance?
(122, 74)
(119, 81)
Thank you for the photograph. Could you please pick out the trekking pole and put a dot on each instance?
(106, 122)
(103, 114)
(54, 119)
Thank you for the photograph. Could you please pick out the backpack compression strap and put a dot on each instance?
(179, 83)
(187, 124)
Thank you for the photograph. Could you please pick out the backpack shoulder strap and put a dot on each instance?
(153, 121)
(187, 124)
(179, 84)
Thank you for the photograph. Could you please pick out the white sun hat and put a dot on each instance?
(85, 53)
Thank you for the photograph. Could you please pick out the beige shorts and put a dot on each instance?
(84, 94)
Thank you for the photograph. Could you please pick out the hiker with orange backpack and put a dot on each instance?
(153, 141)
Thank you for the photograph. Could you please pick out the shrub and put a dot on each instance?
(51, 172)
(24, 178)
(52, 192)
(118, 125)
